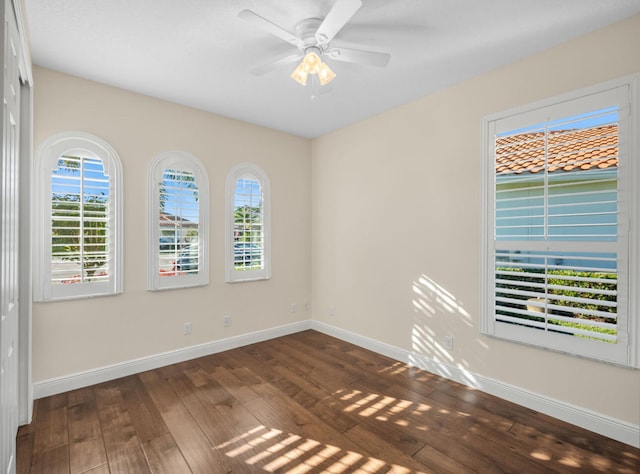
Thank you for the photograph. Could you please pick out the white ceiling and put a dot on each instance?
(199, 53)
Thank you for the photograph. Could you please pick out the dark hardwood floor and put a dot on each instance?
(297, 404)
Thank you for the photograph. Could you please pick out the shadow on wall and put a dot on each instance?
(438, 316)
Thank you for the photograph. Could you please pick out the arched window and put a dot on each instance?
(178, 225)
(78, 199)
(248, 224)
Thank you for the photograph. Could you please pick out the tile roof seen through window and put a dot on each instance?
(567, 150)
(169, 220)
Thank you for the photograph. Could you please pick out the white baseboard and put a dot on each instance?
(605, 425)
(598, 423)
(103, 374)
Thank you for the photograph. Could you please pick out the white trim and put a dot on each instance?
(111, 372)
(26, 277)
(605, 425)
(25, 49)
(624, 93)
(634, 212)
(45, 160)
(565, 97)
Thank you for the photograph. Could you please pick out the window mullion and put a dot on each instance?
(546, 181)
(81, 249)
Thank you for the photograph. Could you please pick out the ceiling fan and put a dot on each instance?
(312, 37)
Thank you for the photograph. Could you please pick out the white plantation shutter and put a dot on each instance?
(178, 222)
(248, 227)
(579, 299)
(557, 235)
(79, 221)
(248, 250)
(79, 218)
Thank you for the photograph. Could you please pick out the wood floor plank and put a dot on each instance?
(51, 428)
(86, 454)
(502, 453)
(24, 449)
(401, 417)
(86, 445)
(102, 469)
(542, 425)
(84, 422)
(219, 426)
(434, 460)
(339, 351)
(571, 456)
(164, 456)
(212, 423)
(328, 366)
(80, 396)
(196, 448)
(384, 450)
(51, 461)
(226, 379)
(108, 393)
(303, 403)
(144, 415)
(123, 448)
(277, 411)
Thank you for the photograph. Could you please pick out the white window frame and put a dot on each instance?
(626, 351)
(46, 161)
(254, 172)
(183, 161)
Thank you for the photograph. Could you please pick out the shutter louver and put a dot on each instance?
(248, 232)
(80, 231)
(179, 224)
(566, 293)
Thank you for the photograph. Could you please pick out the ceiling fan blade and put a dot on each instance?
(337, 17)
(362, 32)
(360, 56)
(270, 66)
(270, 27)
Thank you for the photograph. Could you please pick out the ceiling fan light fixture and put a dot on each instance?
(300, 74)
(325, 74)
(312, 64)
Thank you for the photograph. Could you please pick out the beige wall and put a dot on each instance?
(396, 222)
(75, 336)
(392, 244)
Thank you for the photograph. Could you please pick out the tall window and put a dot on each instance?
(248, 255)
(560, 258)
(178, 222)
(79, 218)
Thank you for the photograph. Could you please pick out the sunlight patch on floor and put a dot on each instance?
(272, 450)
(540, 455)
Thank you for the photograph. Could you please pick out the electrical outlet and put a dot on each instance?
(226, 321)
(448, 342)
(332, 311)
(187, 328)
(293, 307)
(306, 306)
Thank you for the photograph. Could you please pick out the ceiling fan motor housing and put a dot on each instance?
(306, 31)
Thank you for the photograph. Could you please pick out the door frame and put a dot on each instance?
(25, 385)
